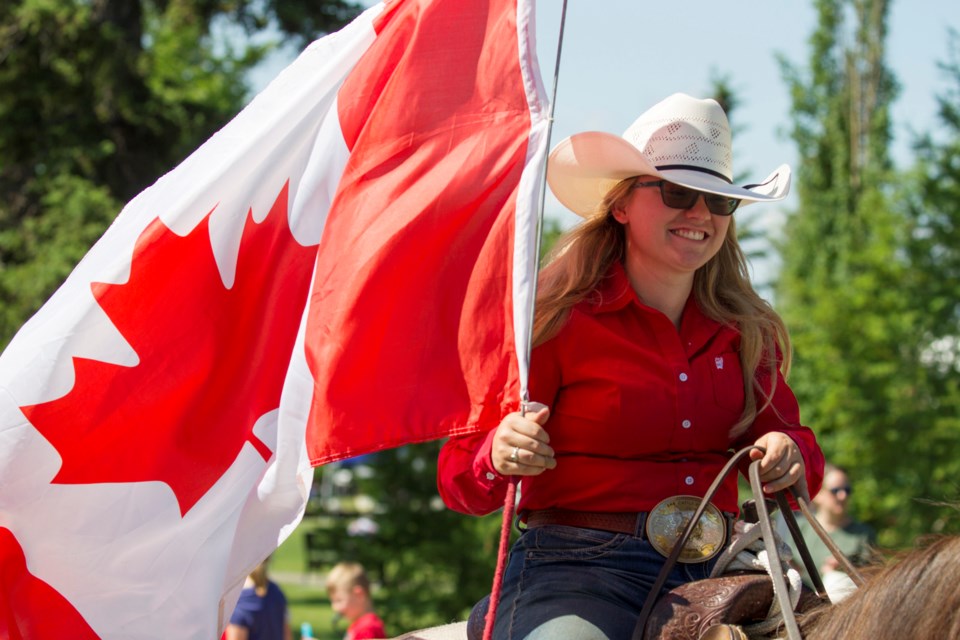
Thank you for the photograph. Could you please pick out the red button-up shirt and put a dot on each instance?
(639, 412)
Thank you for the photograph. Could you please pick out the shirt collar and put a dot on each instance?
(615, 293)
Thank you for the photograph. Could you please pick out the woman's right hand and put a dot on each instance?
(521, 445)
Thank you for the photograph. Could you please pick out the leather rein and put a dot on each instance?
(769, 540)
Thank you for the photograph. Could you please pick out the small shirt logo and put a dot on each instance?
(718, 361)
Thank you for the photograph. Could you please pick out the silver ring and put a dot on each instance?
(515, 454)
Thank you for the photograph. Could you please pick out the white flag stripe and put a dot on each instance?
(526, 260)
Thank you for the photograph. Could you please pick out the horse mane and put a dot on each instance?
(911, 594)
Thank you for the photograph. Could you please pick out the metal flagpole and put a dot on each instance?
(509, 504)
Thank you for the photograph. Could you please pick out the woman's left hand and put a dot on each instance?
(782, 465)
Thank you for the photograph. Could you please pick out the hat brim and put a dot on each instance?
(582, 168)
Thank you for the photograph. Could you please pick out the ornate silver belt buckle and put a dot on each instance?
(667, 521)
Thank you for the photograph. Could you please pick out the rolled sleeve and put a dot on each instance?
(466, 479)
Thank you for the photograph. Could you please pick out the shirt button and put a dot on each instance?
(491, 476)
(689, 480)
(686, 424)
(683, 377)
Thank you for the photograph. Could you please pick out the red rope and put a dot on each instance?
(509, 505)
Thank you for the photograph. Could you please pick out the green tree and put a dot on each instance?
(100, 98)
(844, 288)
(931, 200)
(550, 233)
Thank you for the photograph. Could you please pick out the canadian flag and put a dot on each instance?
(346, 266)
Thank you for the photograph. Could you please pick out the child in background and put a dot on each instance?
(349, 591)
(261, 611)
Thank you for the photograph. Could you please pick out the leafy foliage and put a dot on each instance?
(849, 289)
(931, 203)
(42, 250)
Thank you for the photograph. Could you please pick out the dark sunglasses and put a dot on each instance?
(836, 490)
(677, 197)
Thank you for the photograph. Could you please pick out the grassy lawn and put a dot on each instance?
(289, 557)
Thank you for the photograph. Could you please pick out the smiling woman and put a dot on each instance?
(667, 242)
(654, 357)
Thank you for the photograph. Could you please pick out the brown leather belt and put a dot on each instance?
(661, 527)
(632, 523)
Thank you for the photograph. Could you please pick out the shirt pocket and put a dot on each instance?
(727, 379)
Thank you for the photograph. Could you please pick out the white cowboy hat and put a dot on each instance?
(680, 139)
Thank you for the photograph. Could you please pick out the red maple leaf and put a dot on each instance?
(211, 360)
(29, 607)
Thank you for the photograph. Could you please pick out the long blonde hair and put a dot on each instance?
(722, 288)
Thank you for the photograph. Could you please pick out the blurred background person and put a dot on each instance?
(261, 612)
(349, 591)
(857, 540)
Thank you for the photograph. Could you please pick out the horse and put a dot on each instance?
(913, 594)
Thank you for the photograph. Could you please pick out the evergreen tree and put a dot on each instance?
(932, 205)
(844, 289)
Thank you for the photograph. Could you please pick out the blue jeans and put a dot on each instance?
(580, 584)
